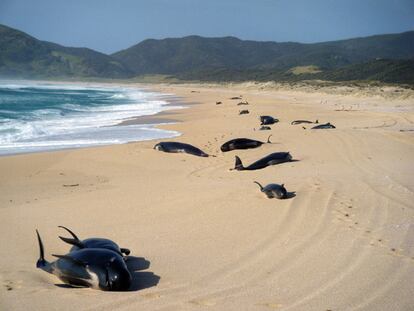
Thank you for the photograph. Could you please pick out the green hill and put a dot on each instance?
(193, 53)
(24, 56)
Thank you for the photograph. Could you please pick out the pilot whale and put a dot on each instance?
(242, 143)
(176, 147)
(271, 159)
(89, 267)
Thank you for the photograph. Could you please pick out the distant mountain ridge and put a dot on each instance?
(227, 58)
(24, 56)
(193, 53)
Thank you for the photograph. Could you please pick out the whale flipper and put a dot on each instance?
(71, 232)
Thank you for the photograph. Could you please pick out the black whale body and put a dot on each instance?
(89, 267)
(274, 190)
(267, 120)
(177, 147)
(271, 159)
(323, 126)
(265, 128)
(242, 143)
(303, 121)
(93, 243)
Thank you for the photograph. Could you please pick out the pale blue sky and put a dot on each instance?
(109, 26)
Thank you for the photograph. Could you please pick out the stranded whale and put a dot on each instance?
(89, 267)
(274, 190)
(242, 143)
(267, 120)
(323, 126)
(303, 121)
(271, 159)
(176, 147)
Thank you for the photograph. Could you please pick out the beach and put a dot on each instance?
(203, 237)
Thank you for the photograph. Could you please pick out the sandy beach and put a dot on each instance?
(203, 237)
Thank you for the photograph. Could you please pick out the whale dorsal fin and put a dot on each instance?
(72, 242)
(74, 260)
(238, 165)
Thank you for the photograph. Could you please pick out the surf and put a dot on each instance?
(43, 116)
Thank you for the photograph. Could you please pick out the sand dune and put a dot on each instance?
(205, 237)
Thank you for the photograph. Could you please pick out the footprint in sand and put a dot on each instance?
(271, 305)
(203, 302)
(152, 295)
(10, 285)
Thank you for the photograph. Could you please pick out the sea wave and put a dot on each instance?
(53, 116)
(108, 136)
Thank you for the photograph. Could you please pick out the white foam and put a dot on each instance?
(78, 126)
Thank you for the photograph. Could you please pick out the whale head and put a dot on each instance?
(117, 277)
(158, 147)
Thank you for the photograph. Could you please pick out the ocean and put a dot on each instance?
(45, 116)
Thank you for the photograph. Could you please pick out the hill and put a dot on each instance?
(23, 56)
(387, 58)
(194, 53)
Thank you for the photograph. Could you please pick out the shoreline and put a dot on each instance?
(152, 121)
(207, 236)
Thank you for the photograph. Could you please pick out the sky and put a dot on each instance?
(111, 25)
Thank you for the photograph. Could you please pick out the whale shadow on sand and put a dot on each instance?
(290, 195)
(141, 279)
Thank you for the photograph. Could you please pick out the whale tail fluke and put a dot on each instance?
(261, 187)
(238, 165)
(42, 263)
(268, 139)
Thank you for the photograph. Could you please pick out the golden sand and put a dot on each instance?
(206, 237)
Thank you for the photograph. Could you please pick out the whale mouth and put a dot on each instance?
(108, 283)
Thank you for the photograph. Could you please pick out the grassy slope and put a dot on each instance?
(24, 56)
